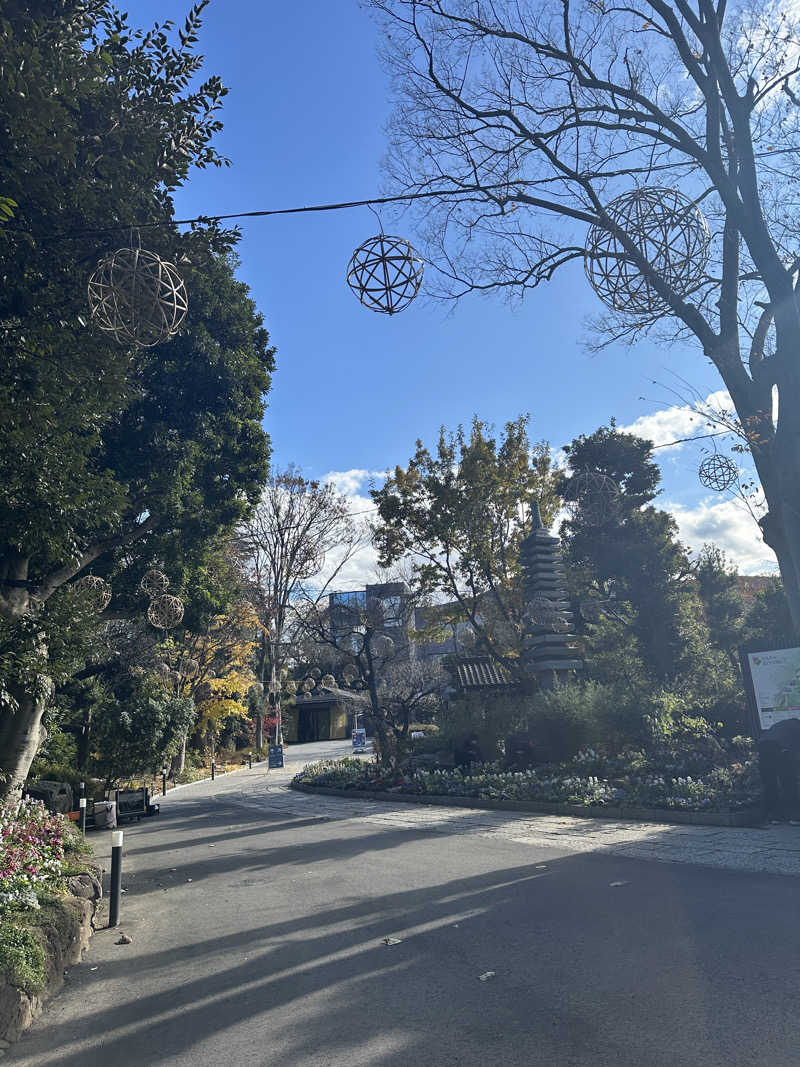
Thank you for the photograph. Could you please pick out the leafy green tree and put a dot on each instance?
(460, 514)
(110, 457)
(630, 549)
(768, 620)
(138, 728)
(722, 601)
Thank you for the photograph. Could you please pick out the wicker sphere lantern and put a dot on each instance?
(173, 677)
(137, 296)
(668, 231)
(593, 497)
(257, 689)
(383, 645)
(162, 668)
(190, 668)
(165, 611)
(308, 685)
(328, 681)
(291, 687)
(542, 611)
(315, 673)
(98, 592)
(385, 273)
(154, 583)
(717, 473)
(203, 692)
(349, 674)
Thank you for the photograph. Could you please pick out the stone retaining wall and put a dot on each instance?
(748, 817)
(66, 937)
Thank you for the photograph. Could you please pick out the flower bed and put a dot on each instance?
(660, 781)
(32, 853)
(47, 901)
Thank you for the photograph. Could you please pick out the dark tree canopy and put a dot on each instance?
(110, 457)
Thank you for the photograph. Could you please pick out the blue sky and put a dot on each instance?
(304, 124)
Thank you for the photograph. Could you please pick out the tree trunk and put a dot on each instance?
(83, 742)
(778, 466)
(20, 736)
(259, 731)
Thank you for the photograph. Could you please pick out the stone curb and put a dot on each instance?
(156, 797)
(748, 817)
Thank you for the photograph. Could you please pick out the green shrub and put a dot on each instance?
(575, 714)
(22, 959)
(492, 717)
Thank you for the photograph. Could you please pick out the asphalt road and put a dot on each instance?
(258, 918)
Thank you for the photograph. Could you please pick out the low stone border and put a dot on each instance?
(65, 942)
(156, 796)
(748, 817)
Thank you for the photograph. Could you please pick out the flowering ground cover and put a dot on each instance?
(667, 779)
(32, 852)
(38, 850)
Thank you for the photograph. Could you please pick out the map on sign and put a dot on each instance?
(776, 684)
(360, 740)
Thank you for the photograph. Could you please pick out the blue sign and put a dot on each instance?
(360, 740)
(275, 756)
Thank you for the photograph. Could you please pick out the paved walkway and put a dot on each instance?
(772, 849)
(278, 928)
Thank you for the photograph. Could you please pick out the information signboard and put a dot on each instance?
(275, 756)
(360, 740)
(774, 683)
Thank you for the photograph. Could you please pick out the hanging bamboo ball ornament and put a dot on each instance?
(328, 681)
(315, 673)
(138, 297)
(165, 611)
(291, 687)
(385, 273)
(98, 590)
(154, 583)
(308, 685)
(349, 674)
(717, 473)
(667, 230)
(191, 668)
(203, 692)
(383, 645)
(593, 497)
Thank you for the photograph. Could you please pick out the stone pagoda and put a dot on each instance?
(550, 646)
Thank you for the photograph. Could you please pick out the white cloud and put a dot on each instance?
(729, 525)
(361, 568)
(349, 482)
(680, 420)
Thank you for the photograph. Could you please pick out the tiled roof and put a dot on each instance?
(480, 672)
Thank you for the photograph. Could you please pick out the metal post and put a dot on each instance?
(116, 877)
(82, 806)
(250, 760)
(163, 781)
(213, 769)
